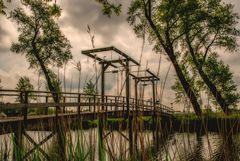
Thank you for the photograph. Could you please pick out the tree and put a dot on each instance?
(159, 19)
(56, 82)
(24, 85)
(207, 25)
(217, 72)
(221, 76)
(90, 89)
(41, 40)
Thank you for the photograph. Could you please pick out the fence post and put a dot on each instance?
(89, 101)
(25, 108)
(106, 104)
(94, 107)
(19, 128)
(79, 107)
(115, 104)
(111, 104)
(64, 101)
(123, 105)
(46, 108)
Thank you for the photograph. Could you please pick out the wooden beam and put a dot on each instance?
(97, 58)
(113, 61)
(88, 52)
(151, 73)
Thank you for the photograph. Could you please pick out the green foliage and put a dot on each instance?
(217, 72)
(159, 20)
(222, 77)
(187, 27)
(24, 85)
(109, 8)
(55, 81)
(186, 116)
(55, 10)
(192, 77)
(2, 7)
(90, 88)
(40, 39)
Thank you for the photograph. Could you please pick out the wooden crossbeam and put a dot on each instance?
(147, 78)
(36, 145)
(88, 52)
(96, 58)
(153, 75)
(39, 144)
(112, 61)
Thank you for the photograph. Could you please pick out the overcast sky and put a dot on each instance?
(114, 31)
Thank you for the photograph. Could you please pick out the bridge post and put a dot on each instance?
(89, 101)
(129, 113)
(64, 101)
(19, 129)
(116, 105)
(104, 66)
(94, 106)
(46, 108)
(25, 109)
(60, 130)
(136, 116)
(79, 107)
(106, 107)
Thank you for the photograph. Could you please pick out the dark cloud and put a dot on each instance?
(79, 14)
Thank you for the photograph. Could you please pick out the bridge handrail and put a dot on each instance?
(110, 100)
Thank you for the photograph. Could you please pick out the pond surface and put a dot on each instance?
(173, 147)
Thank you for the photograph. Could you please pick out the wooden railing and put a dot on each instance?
(24, 101)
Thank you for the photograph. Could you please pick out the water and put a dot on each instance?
(173, 147)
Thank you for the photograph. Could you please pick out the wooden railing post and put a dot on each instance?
(25, 108)
(94, 106)
(79, 107)
(99, 107)
(89, 106)
(64, 101)
(46, 108)
(123, 105)
(106, 104)
(19, 128)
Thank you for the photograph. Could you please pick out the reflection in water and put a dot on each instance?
(175, 147)
(193, 147)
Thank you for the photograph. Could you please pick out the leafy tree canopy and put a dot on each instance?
(24, 85)
(41, 40)
(109, 8)
(90, 88)
(222, 77)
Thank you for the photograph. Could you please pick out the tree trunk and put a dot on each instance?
(186, 86)
(213, 89)
(170, 52)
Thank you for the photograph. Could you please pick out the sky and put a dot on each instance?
(114, 31)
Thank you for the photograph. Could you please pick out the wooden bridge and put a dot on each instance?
(73, 108)
(38, 106)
